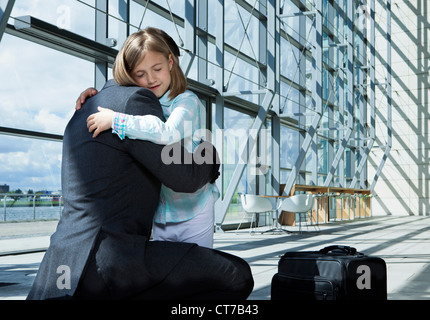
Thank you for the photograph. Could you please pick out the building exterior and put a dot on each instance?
(4, 188)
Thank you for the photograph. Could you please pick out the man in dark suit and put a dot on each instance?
(111, 187)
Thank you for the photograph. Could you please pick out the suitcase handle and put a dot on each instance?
(345, 249)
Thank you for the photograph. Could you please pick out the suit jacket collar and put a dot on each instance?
(110, 83)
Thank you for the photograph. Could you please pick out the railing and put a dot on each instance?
(30, 207)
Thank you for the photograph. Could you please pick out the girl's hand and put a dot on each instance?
(100, 121)
(88, 93)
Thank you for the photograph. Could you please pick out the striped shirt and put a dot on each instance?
(183, 115)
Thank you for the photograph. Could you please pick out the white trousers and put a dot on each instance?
(199, 230)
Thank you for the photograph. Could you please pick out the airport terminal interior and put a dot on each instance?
(300, 97)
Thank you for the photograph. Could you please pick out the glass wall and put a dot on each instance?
(38, 95)
(236, 55)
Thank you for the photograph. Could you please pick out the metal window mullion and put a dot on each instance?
(331, 124)
(273, 82)
(259, 56)
(30, 134)
(161, 11)
(124, 28)
(301, 179)
(314, 144)
(219, 111)
(101, 32)
(371, 100)
(190, 31)
(316, 96)
(350, 101)
(358, 121)
(363, 113)
(4, 16)
(202, 41)
(389, 101)
(331, 85)
(341, 102)
(257, 13)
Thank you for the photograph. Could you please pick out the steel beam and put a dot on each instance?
(5, 11)
(317, 71)
(350, 95)
(389, 101)
(273, 82)
(46, 34)
(341, 75)
(202, 42)
(101, 67)
(219, 110)
(30, 134)
(365, 156)
(190, 32)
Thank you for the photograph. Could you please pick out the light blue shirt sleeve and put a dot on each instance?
(183, 114)
(182, 121)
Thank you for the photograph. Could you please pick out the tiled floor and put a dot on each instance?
(403, 242)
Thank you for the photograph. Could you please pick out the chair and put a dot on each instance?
(300, 204)
(254, 204)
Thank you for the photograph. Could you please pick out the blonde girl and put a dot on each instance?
(149, 59)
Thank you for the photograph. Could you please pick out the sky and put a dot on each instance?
(38, 90)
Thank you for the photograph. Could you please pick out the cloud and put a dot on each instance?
(38, 90)
(30, 164)
(72, 15)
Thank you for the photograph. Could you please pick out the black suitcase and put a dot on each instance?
(333, 273)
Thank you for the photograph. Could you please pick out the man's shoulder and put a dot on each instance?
(111, 85)
(133, 100)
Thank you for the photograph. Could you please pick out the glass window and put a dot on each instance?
(236, 131)
(74, 16)
(240, 75)
(322, 156)
(289, 147)
(30, 164)
(141, 18)
(290, 100)
(40, 91)
(117, 22)
(291, 25)
(177, 7)
(212, 22)
(290, 61)
(42, 84)
(237, 19)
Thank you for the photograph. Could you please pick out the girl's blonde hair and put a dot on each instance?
(134, 50)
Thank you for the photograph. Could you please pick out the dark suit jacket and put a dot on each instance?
(111, 190)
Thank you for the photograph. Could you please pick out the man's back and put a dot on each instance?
(99, 176)
(111, 190)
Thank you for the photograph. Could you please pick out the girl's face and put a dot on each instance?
(153, 73)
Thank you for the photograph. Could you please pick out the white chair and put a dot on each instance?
(300, 204)
(253, 204)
